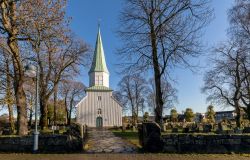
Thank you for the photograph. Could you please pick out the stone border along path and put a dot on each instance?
(104, 141)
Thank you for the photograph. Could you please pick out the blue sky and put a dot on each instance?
(85, 15)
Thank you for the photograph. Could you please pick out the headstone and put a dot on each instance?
(123, 127)
(134, 129)
(174, 130)
(200, 128)
(238, 130)
(222, 128)
(185, 130)
(164, 128)
(207, 128)
(246, 130)
(6, 131)
(150, 137)
(56, 132)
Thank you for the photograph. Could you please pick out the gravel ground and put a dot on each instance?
(123, 157)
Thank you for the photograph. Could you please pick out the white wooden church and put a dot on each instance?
(99, 108)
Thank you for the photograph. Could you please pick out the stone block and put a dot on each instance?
(150, 137)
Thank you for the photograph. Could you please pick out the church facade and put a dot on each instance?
(99, 108)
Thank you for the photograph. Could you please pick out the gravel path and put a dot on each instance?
(104, 141)
(123, 157)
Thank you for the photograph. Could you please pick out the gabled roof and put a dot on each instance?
(99, 63)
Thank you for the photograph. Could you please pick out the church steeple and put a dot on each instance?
(98, 73)
(99, 62)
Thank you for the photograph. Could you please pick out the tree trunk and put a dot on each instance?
(70, 110)
(22, 125)
(238, 117)
(11, 119)
(157, 75)
(30, 118)
(44, 113)
(55, 104)
(8, 13)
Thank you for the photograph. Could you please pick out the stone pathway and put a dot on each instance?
(104, 141)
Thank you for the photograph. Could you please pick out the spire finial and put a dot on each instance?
(99, 23)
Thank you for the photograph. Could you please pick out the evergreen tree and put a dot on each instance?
(173, 115)
(210, 114)
(189, 115)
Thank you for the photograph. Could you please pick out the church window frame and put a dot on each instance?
(99, 80)
(99, 111)
(99, 98)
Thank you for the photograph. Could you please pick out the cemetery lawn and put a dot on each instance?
(128, 135)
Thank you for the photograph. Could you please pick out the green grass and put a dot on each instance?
(128, 135)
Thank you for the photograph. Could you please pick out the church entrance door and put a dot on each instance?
(99, 122)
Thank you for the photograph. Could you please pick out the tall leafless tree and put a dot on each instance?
(71, 92)
(6, 80)
(133, 90)
(169, 94)
(224, 82)
(228, 81)
(159, 34)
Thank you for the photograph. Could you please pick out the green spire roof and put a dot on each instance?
(99, 63)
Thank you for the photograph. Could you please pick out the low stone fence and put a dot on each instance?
(186, 143)
(72, 141)
(152, 141)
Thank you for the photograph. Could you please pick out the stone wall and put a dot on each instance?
(152, 141)
(186, 143)
(72, 141)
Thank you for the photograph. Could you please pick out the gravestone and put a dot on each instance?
(150, 137)
(164, 128)
(185, 130)
(123, 127)
(200, 128)
(207, 128)
(174, 130)
(246, 130)
(222, 128)
(6, 131)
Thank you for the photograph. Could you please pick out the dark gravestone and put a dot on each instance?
(185, 130)
(238, 130)
(246, 130)
(194, 128)
(6, 131)
(174, 130)
(207, 128)
(150, 137)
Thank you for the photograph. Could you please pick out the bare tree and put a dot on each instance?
(169, 94)
(6, 73)
(133, 89)
(224, 82)
(71, 92)
(239, 17)
(228, 81)
(159, 34)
